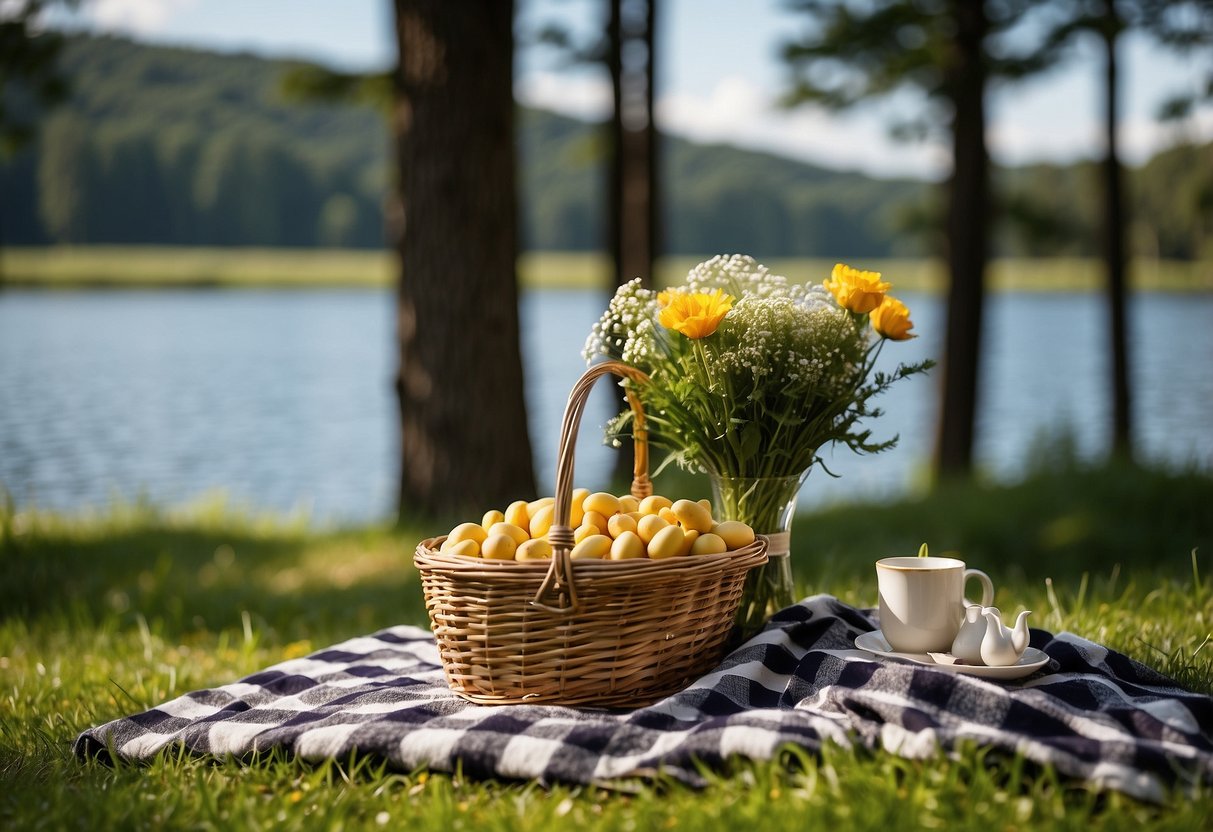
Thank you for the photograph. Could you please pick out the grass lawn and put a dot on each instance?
(103, 615)
(163, 266)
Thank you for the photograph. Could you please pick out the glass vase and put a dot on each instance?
(766, 504)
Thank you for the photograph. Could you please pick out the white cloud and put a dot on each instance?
(737, 111)
(1141, 138)
(1021, 142)
(577, 95)
(139, 16)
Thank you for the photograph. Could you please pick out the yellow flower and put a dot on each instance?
(695, 315)
(856, 291)
(892, 320)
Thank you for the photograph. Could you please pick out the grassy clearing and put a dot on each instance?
(137, 267)
(167, 267)
(107, 614)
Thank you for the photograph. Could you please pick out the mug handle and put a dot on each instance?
(987, 586)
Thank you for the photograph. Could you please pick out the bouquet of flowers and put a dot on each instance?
(751, 376)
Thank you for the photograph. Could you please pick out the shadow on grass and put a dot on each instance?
(185, 576)
(182, 577)
(1058, 524)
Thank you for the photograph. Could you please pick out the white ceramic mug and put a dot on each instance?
(922, 601)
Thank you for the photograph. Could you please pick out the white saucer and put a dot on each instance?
(1031, 660)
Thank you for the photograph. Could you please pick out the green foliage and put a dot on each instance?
(173, 146)
(851, 53)
(103, 615)
(177, 147)
(29, 75)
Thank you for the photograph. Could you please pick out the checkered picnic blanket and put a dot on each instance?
(1092, 713)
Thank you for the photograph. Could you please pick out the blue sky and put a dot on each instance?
(718, 77)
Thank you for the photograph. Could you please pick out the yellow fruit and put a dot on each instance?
(465, 548)
(499, 546)
(667, 514)
(518, 515)
(667, 543)
(467, 531)
(627, 546)
(491, 518)
(635, 515)
(594, 546)
(593, 518)
(534, 550)
(649, 526)
(601, 502)
(619, 524)
(654, 503)
(709, 544)
(583, 531)
(628, 503)
(510, 530)
(734, 533)
(541, 521)
(707, 505)
(534, 505)
(576, 509)
(688, 541)
(693, 516)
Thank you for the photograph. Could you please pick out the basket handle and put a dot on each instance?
(558, 592)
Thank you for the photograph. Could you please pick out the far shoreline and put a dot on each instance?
(165, 267)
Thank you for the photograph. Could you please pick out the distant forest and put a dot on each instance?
(170, 146)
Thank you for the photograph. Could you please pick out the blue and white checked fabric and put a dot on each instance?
(1092, 713)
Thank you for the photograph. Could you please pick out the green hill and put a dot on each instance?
(173, 146)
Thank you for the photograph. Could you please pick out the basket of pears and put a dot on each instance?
(586, 598)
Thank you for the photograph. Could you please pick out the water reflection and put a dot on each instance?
(284, 399)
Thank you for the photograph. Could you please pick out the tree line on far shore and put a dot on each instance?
(169, 146)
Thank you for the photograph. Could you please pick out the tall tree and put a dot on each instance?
(627, 49)
(1112, 245)
(460, 383)
(854, 52)
(1182, 25)
(633, 214)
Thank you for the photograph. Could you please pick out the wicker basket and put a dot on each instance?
(586, 632)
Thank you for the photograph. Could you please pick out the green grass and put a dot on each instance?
(106, 614)
(135, 267)
(66, 267)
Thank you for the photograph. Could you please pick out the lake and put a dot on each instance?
(283, 399)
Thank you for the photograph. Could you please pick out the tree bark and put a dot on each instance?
(652, 161)
(614, 60)
(633, 210)
(464, 441)
(1113, 242)
(633, 206)
(967, 240)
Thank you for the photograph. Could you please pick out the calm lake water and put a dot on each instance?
(283, 400)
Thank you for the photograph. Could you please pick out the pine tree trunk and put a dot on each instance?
(615, 142)
(1113, 248)
(967, 239)
(633, 208)
(464, 439)
(652, 162)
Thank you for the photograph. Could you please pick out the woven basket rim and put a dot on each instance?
(754, 554)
